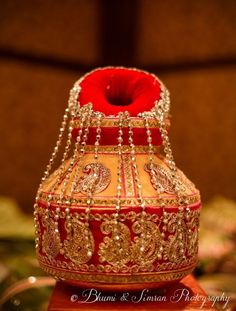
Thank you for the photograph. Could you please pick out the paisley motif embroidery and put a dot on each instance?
(75, 245)
(160, 178)
(177, 248)
(176, 245)
(51, 239)
(151, 243)
(192, 225)
(96, 179)
(114, 252)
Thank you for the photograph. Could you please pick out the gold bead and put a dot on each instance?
(89, 253)
(142, 248)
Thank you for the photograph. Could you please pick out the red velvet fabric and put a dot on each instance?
(110, 134)
(112, 90)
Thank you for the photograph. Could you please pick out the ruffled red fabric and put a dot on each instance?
(112, 90)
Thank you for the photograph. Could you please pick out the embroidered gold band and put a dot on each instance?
(116, 278)
(155, 202)
(114, 122)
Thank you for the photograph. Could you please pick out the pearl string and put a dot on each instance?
(74, 93)
(98, 135)
(152, 172)
(91, 191)
(56, 149)
(119, 179)
(182, 200)
(76, 178)
(137, 180)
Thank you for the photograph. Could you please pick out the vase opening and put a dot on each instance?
(119, 94)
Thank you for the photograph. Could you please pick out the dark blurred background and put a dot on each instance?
(46, 45)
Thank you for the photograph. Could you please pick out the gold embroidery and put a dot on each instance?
(179, 248)
(114, 122)
(75, 245)
(166, 266)
(160, 179)
(112, 149)
(149, 239)
(169, 202)
(128, 178)
(96, 179)
(115, 278)
(176, 245)
(51, 238)
(192, 220)
(115, 252)
(192, 216)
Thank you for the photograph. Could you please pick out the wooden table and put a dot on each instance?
(186, 295)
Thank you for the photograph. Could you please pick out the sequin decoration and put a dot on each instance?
(51, 238)
(96, 179)
(160, 178)
(116, 253)
(75, 245)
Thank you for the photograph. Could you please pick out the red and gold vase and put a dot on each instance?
(117, 213)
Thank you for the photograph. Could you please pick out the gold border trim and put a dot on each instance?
(128, 216)
(111, 202)
(131, 278)
(126, 149)
(114, 122)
